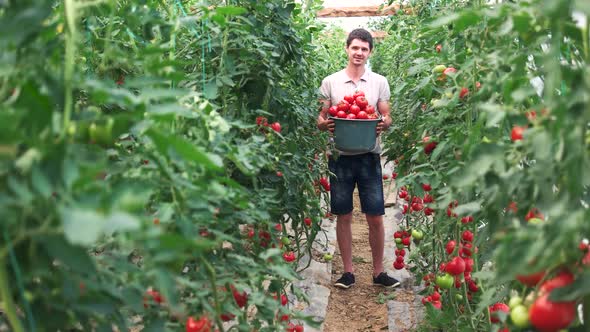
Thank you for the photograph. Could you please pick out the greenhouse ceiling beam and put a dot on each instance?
(359, 11)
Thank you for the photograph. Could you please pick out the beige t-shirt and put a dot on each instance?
(338, 85)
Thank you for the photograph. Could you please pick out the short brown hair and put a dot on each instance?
(361, 34)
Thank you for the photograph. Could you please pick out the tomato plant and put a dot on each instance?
(484, 99)
(149, 146)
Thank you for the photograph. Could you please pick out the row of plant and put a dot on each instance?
(491, 142)
(159, 164)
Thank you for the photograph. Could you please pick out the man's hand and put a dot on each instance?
(383, 124)
(326, 124)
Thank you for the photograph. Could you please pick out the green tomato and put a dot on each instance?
(535, 221)
(398, 240)
(328, 257)
(445, 281)
(72, 129)
(439, 68)
(449, 94)
(101, 133)
(400, 245)
(286, 240)
(520, 316)
(459, 297)
(515, 301)
(417, 234)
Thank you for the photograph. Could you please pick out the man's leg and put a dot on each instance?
(344, 238)
(377, 242)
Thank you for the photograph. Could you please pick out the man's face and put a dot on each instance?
(358, 52)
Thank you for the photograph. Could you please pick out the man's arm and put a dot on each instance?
(384, 108)
(324, 123)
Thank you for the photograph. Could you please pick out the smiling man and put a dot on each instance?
(364, 169)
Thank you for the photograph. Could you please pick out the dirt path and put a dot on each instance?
(363, 307)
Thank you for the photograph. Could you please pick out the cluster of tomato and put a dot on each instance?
(263, 122)
(402, 240)
(416, 203)
(354, 107)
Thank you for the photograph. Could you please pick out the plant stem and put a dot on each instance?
(5, 296)
(70, 15)
(213, 280)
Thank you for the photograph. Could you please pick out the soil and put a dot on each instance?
(363, 307)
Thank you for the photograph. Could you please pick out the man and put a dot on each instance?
(363, 170)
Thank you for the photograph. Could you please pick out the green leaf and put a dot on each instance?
(210, 90)
(157, 325)
(495, 114)
(20, 190)
(444, 20)
(82, 227)
(185, 149)
(482, 162)
(231, 10)
(41, 183)
(542, 144)
(74, 257)
(467, 209)
(467, 19)
(120, 222)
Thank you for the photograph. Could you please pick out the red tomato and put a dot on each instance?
(428, 148)
(289, 256)
(358, 94)
(307, 221)
(261, 121)
(341, 114)
(417, 206)
(406, 241)
(495, 308)
(426, 187)
(464, 92)
(362, 102)
(456, 266)
(343, 106)
(438, 48)
(201, 325)
(351, 116)
(449, 70)
(276, 127)
(450, 247)
(398, 266)
(333, 110)
(564, 278)
(428, 211)
(370, 109)
(349, 99)
(516, 134)
(467, 236)
(354, 109)
(532, 279)
(466, 220)
(241, 298)
(548, 316)
(362, 115)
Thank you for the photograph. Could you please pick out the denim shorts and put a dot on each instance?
(362, 170)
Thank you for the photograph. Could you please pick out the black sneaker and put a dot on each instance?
(386, 281)
(345, 281)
